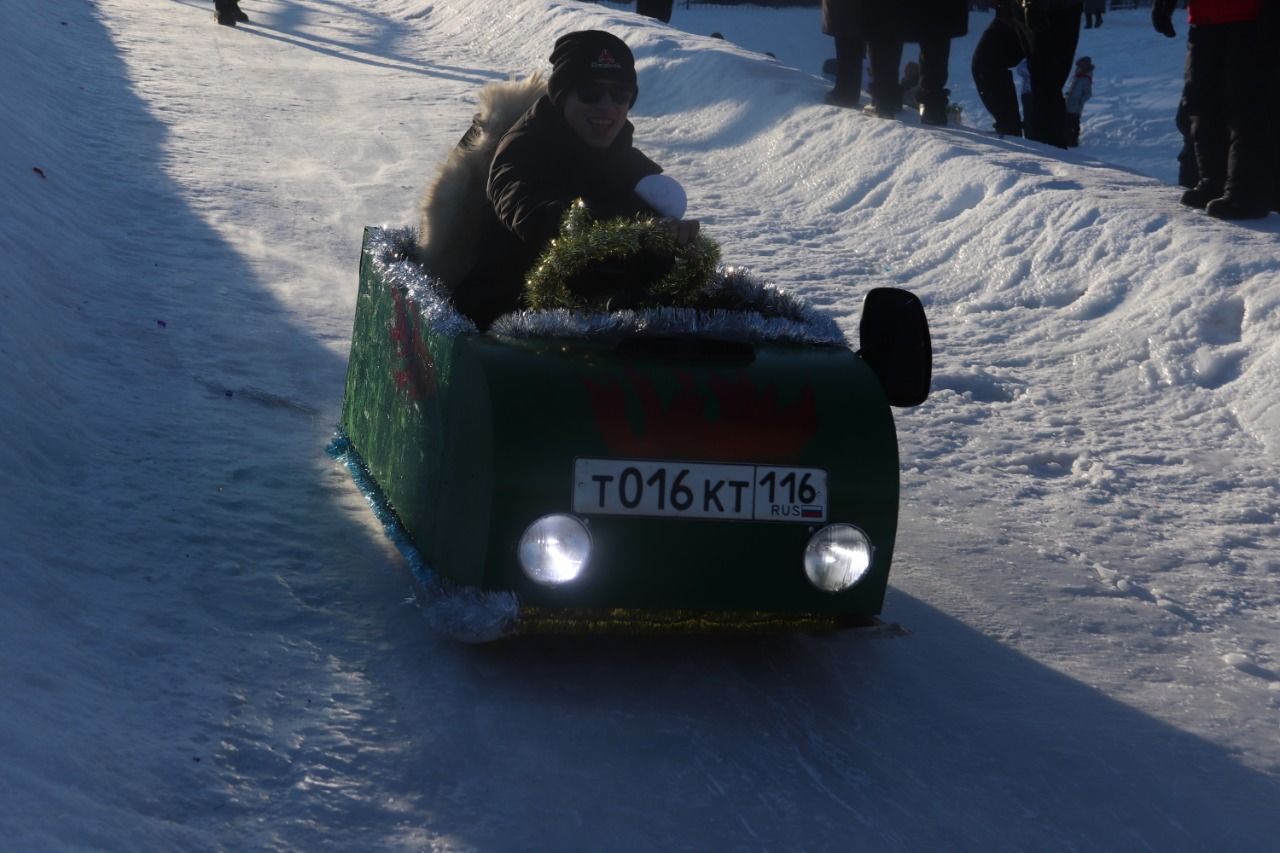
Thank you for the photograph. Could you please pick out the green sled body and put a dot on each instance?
(471, 437)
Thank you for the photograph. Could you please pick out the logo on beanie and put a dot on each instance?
(606, 60)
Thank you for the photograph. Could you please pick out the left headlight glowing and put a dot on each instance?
(554, 549)
(838, 556)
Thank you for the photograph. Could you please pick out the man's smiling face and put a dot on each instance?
(597, 110)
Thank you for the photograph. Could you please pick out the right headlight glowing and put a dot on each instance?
(554, 549)
(837, 557)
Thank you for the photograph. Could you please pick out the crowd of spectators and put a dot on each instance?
(1229, 112)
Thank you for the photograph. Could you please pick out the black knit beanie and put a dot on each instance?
(589, 55)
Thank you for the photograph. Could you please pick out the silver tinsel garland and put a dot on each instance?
(738, 306)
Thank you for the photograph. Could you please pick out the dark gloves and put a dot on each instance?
(1162, 17)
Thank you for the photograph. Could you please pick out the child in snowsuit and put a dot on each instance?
(1081, 90)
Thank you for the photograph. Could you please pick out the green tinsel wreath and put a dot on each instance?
(618, 263)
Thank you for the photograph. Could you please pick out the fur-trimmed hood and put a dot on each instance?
(453, 207)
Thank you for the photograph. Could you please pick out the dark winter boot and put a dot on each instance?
(932, 114)
(1231, 207)
(848, 73)
(1201, 194)
(228, 13)
(886, 89)
(1188, 171)
(881, 110)
(839, 98)
(933, 108)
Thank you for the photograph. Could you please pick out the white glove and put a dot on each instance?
(664, 195)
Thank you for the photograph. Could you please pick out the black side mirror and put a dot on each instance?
(894, 339)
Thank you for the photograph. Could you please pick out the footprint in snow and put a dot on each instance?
(1246, 664)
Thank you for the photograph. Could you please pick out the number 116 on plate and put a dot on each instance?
(699, 490)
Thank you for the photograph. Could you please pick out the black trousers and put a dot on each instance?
(885, 55)
(1073, 129)
(849, 53)
(998, 50)
(1050, 55)
(935, 57)
(885, 60)
(1227, 104)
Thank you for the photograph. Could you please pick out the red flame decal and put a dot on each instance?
(416, 375)
(729, 419)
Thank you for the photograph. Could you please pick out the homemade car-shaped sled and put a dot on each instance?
(732, 467)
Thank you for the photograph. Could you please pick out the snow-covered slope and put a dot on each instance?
(204, 640)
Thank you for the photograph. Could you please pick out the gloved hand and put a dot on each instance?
(664, 194)
(1162, 17)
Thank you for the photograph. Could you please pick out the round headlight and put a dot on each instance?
(554, 549)
(837, 557)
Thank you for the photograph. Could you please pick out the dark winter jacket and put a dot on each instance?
(847, 18)
(1202, 12)
(541, 166)
(933, 18)
(904, 20)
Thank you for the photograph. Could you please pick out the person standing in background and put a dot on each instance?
(1045, 33)
(911, 84)
(660, 9)
(1232, 53)
(845, 22)
(1081, 91)
(1093, 10)
(228, 13)
(932, 24)
(880, 30)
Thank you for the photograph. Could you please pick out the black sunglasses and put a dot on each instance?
(592, 93)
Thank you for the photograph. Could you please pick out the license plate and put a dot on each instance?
(699, 490)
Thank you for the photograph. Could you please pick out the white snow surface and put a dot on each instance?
(205, 642)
